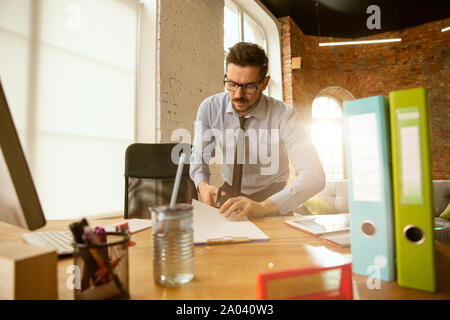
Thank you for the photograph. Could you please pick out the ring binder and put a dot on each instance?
(368, 229)
(367, 136)
(414, 234)
(413, 193)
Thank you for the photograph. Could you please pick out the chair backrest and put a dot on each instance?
(441, 193)
(335, 194)
(150, 171)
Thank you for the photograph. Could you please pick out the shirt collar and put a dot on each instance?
(260, 111)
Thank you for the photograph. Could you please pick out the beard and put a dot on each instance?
(244, 105)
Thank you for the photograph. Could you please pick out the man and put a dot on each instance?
(253, 185)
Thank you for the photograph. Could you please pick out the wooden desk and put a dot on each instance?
(229, 271)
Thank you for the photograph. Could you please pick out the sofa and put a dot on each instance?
(335, 194)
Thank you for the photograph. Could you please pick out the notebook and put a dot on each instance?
(340, 239)
(211, 227)
(321, 224)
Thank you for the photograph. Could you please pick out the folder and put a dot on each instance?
(367, 137)
(413, 193)
(211, 227)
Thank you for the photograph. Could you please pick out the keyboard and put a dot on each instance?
(61, 241)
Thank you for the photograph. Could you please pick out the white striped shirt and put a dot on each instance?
(275, 132)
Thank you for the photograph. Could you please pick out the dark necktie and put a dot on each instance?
(239, 155)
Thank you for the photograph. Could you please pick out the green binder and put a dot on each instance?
(412, 184)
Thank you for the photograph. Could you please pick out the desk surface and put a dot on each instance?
(229, 271)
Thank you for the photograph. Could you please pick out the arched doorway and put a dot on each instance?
(327, 131)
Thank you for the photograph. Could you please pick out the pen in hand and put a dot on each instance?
(219, 193)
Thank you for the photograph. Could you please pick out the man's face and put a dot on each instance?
(243, 101)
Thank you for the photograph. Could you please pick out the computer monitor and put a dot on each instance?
(19, 201)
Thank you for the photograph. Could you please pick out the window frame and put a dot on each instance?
(270, 28)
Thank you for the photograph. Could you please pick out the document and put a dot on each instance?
(134, 225)
(211, 227)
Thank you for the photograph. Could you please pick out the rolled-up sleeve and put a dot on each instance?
(310, 177)
(203, 147)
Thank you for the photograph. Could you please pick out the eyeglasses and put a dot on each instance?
(247, 87)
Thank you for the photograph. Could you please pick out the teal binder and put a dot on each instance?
(367, 140)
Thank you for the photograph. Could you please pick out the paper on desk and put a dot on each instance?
(210, 224)
(134, 225)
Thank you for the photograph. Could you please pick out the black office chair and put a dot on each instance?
(150, 176)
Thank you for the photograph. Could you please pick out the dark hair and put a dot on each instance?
(249, 54)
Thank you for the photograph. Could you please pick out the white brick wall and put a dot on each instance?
(191, 62)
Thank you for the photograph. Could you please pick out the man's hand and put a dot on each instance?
(207, 192)
(244, 206)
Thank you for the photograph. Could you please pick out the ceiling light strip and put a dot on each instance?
(445, 29)
(346, 43)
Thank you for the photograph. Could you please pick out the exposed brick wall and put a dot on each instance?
(285, 36)
(421, 59)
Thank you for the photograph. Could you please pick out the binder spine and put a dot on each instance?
(413, 193)
(367, 136)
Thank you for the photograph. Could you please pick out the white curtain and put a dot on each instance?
(69, 72)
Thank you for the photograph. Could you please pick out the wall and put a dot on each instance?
(421, 59)
(190, 63)
(191, 60)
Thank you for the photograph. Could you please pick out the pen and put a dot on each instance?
(124, 228)
(91, 267)
(219, 192)
(101, 272)
(101, 234)
(77, 229)
(227, 240)
(101, 237)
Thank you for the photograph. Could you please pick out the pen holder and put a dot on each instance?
(101, 270)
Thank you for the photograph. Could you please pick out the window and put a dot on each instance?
(250, 21)
(327, 135)
(239, 26)
(69, 73)
(253, 32)
(232, 28)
